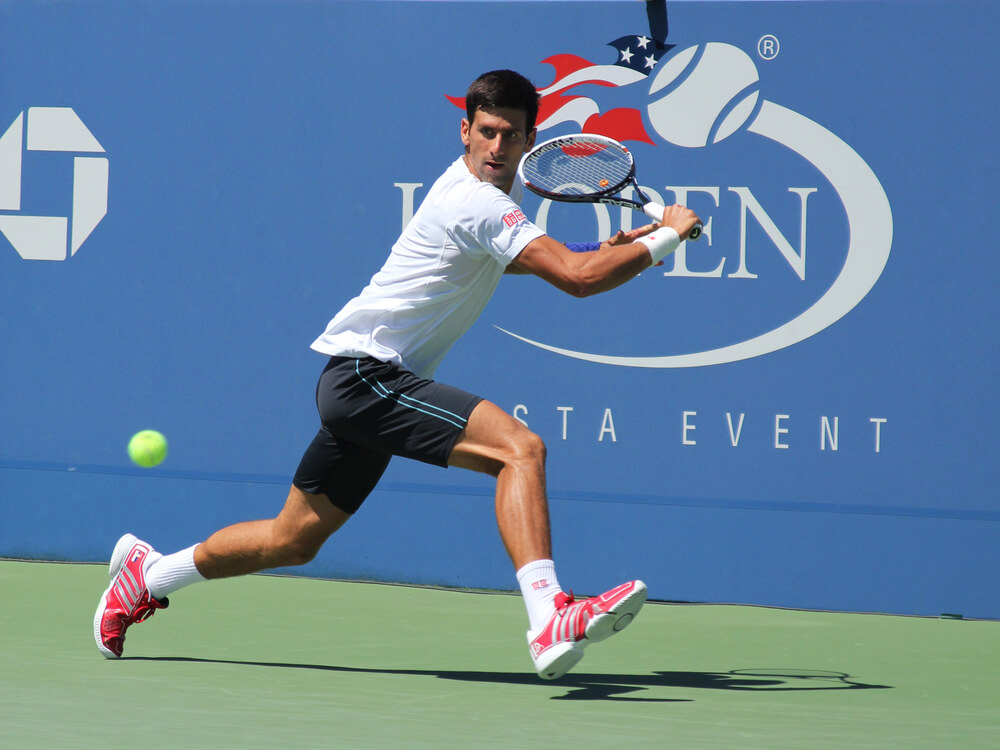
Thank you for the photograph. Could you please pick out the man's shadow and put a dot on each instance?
(609, 687)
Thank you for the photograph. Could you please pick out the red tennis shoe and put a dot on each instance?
(559, 645)
(126, 600)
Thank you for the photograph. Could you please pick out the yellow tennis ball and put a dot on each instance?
(147, 448)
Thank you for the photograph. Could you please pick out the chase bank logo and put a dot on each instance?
(699, 97)
(53, 129)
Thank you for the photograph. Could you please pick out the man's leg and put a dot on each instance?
(495, 443)
(329, 467)
(141, 578)
(292, 538)
(333, 479)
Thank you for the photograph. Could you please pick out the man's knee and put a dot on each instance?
(299, 532)
(494, 441)
(524, 450)
(297, 548)
(531, 447)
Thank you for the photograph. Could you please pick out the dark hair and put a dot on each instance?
(503, 88)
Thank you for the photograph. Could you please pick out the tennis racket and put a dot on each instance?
(586, 168)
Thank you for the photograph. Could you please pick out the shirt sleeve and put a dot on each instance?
(494, 224)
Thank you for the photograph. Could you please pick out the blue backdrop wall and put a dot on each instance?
(798, 410)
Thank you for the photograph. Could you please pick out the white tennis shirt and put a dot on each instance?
(439, 276)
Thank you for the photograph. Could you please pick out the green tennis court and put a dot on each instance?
(269, 662)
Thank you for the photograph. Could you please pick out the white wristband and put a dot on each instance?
(661, 243)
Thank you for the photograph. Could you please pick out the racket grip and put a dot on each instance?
(655, 211)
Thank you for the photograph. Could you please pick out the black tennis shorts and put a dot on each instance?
(370, 411)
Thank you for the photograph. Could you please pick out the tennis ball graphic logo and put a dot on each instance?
(700, 96)
(703, 94)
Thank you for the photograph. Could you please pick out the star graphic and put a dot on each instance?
(643, 58)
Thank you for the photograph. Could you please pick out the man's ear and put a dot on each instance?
(530, 142)
(466, 129)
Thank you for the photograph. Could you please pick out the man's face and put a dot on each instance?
(494, 144)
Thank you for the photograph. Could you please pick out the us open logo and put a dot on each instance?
(697, 98)
(43, 237)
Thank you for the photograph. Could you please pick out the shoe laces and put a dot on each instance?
(563, 599)
(145, 609)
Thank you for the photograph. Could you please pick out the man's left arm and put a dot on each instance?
(583, 274)
(620, 238)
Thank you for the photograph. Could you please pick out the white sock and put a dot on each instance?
(539, 587)
(172, 572)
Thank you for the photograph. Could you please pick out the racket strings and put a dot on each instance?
(578, 166)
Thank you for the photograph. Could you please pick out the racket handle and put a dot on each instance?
(655, 211)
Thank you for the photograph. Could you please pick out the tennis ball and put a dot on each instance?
(147, 448)
(707, 97)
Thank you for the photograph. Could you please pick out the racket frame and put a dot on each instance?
(609, 195)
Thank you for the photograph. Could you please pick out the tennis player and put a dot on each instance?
(376, 398)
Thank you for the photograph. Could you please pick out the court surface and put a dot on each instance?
(269, 662)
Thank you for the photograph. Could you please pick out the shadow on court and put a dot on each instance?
(584, 686)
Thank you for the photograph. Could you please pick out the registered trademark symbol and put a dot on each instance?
(768, 47)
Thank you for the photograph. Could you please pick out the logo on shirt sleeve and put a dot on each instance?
(513, 218)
